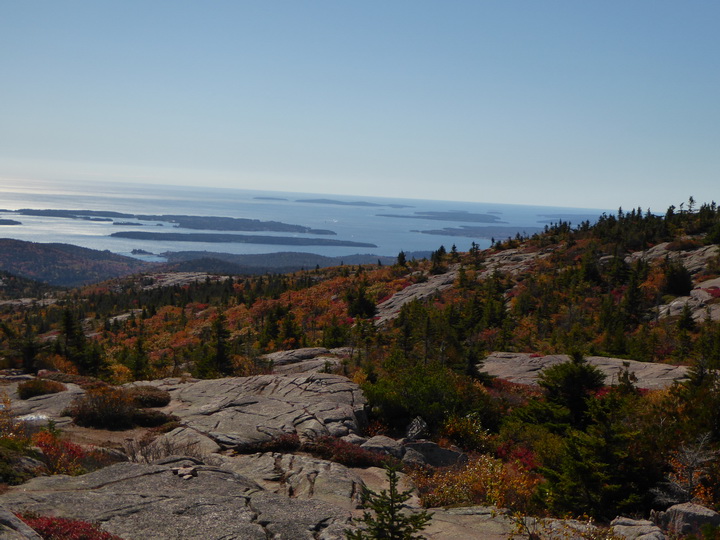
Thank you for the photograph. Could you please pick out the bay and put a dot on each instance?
(393, 225)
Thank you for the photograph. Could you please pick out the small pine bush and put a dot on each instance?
(39, 387)
(387, 520)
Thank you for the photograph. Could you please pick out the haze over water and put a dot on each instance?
(357, 219)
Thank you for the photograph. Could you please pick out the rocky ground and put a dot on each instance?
(213, 492)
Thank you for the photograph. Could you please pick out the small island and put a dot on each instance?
(352, 203)
(9, 222)
(239, 239)
(457, 215)
(483, 232)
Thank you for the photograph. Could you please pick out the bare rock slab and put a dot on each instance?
(525, 368)
(246, 410)
(300, 477)
(139, 502)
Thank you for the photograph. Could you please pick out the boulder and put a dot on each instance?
(687, 518)
(384, 445)
(635, 529)
(435, 455)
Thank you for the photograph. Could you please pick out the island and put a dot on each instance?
(238, 239)
(457, 215)
(352, 203)
(9, 222)
(210, 223)
(483, 232)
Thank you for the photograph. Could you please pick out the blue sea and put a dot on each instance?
(357, 219)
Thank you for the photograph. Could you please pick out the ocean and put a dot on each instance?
(392, 225)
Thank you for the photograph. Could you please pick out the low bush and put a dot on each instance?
(345, 453)
(12, 453)
(325, 447)
(60, 456)
(150, 448)
(151, 418)
(285, 443)
(39, 387)
(81, 380)
(104, 408)
(148, 396)
(484, 480)
(56, 528)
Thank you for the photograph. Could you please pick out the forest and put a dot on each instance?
(570, 446)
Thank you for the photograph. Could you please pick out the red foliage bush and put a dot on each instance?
(56, 528)
(345, 453)
(61, 457)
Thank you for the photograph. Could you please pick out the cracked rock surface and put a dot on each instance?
(300, 477)
(239, 411)
(137, 501)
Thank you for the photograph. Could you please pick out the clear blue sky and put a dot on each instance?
(575, 103)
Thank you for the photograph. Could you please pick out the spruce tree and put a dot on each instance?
(389, 522)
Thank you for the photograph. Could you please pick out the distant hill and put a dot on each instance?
(64, 265)
(12, 287)
(278, 263)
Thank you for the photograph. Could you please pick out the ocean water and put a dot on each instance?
(359, 219)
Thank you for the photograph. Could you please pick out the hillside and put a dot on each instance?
(569, 429)
(63, 265)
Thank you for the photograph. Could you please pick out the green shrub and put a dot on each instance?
(104, 408)
(148, 396)
(39, 387)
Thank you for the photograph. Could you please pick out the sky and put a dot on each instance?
(565, 103)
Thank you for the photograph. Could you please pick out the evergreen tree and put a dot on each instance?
(389, 522)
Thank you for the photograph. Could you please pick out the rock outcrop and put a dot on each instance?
(143, 502)
(390, 308)
(687, 518)
(307, 360)
(525, 368)
(240, 411)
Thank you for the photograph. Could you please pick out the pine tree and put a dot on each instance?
(388, 521)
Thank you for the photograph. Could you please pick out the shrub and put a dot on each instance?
(467, 432)
(150, 418)
(39, 387)
(81, 380)
(148, 396)
(345, 453)
(61, 457)
(325, 447)
(56, 528)
(287, 442)
(484, 480)
(149, 448)
(104, 408)
(11, 454)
